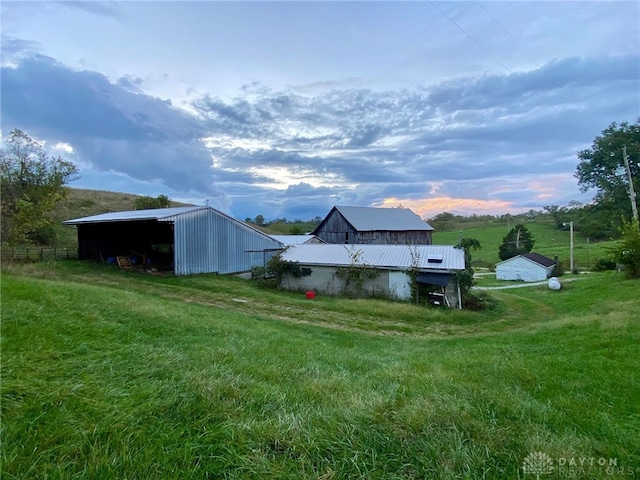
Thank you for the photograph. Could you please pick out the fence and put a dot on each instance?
(24, 254)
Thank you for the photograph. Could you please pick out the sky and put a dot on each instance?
(285, 109)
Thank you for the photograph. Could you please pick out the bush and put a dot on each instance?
(258, 272)
(558, 269)
(604, 264)
(478, 301)
(627, 251)
(277, 267)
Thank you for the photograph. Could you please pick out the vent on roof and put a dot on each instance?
(434, 258)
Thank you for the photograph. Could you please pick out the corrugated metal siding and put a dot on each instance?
(390, 256)
(208, 241)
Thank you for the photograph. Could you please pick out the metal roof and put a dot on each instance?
(133, 215)
(366, 219)
(295, 239)
(430, 257)
(533, 257)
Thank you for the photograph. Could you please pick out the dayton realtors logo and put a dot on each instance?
(537, 463)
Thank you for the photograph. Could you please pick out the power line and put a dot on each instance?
(492, 55)
(530, 57)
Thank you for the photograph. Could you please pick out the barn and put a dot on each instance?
(368, 225)
(320, 269)
(188, 240)
(528, 267)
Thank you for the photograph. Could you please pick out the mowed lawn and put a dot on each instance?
(109, 374)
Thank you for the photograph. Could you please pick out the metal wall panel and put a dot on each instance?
(208, 241)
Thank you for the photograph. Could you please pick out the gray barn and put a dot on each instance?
(190, 239)
(368, 225)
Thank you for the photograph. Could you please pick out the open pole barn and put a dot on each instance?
(188, 240)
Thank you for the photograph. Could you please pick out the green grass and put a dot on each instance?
(548, 241)
(110, 374)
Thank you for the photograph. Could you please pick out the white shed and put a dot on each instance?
(529, 267)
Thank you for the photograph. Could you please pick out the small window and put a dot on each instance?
(305, 272)
(434, 258)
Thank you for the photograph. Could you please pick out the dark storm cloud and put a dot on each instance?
(108, 125)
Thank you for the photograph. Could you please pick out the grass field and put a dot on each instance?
(548, 241)
(109, 374)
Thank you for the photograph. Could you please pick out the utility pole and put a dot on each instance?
(632, 193)
(571, 247)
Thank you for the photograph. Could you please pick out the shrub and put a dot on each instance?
(258, 271)
(278, 267)
(627, 251)
(604, 264)
(558, 269)
(478, 301)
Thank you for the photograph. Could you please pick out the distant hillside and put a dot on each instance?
(83, 203)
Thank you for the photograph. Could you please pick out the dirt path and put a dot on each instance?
(522, 285)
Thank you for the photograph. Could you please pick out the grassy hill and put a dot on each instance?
(83, 203)
(111, 374)
(548, 241)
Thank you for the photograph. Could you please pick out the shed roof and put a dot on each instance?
(295, 239)
(134, 215)
(430, 257)
(534, 257)
(367, 219)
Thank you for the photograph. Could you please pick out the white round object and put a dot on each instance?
(554, 283)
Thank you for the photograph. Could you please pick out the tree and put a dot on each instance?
(627, 251)
(145, 203)
(602, 167)
(32, 183)
(518, 241)
(559, 214)
(465, 277)
(259, 220)
(470, 299)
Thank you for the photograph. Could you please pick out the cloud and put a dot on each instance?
(101, 8)
(484, 142)
(109, 126)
